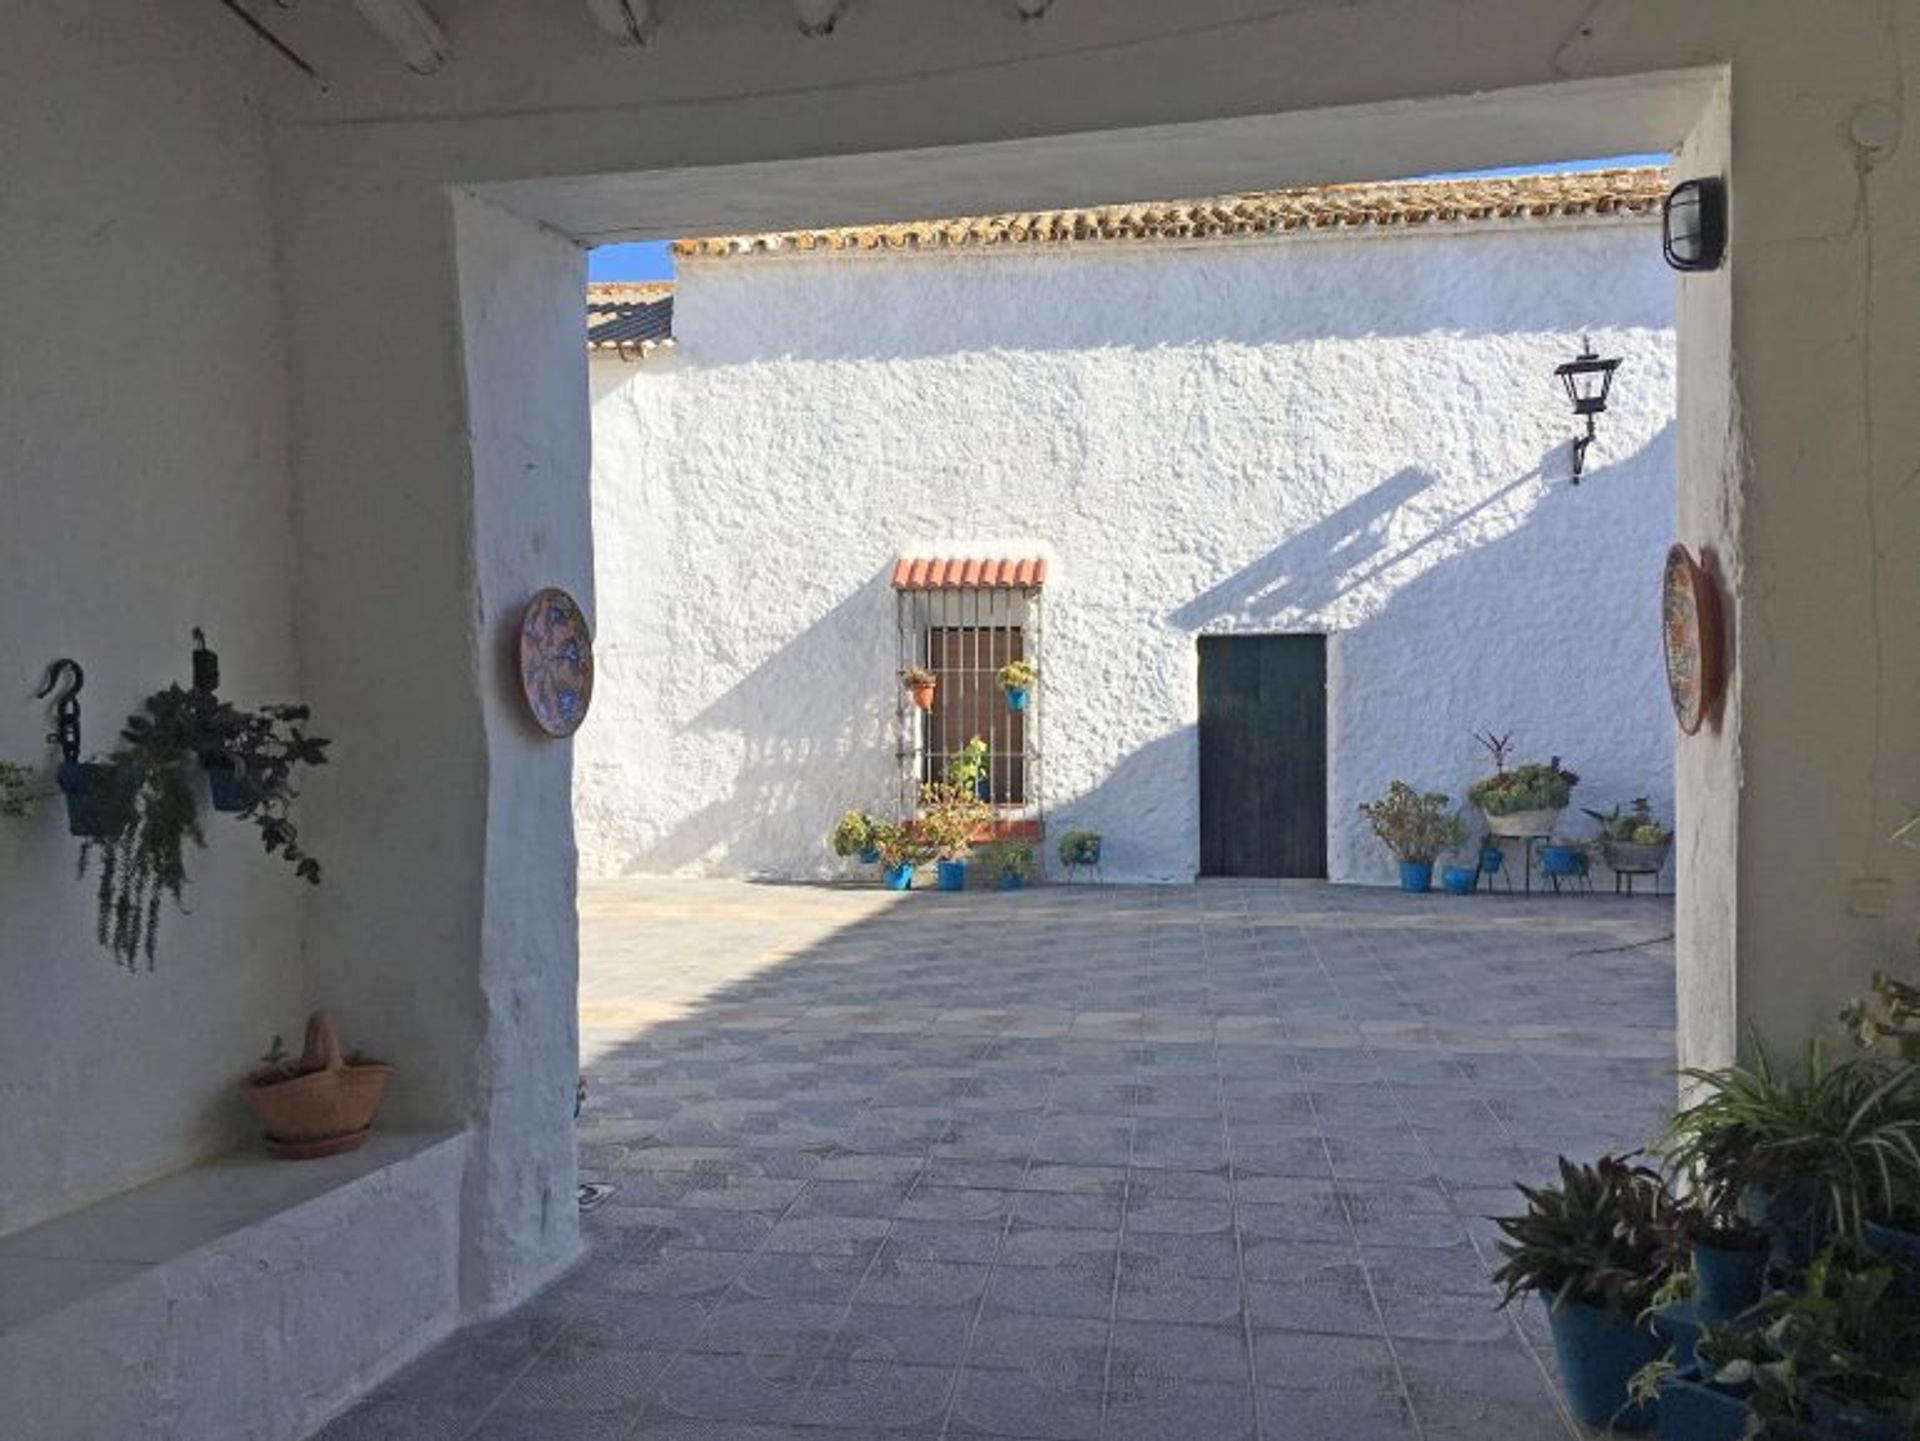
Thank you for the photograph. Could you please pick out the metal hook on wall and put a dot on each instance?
(66, 710)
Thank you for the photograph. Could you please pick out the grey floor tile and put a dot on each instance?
(1147, 1403)
(1056, 1398)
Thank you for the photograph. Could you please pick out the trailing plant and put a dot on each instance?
(1011, 860)
(915, 677)
(1888, 1015)
(160, 757)
(1529, 787)
(971, 765)
(950, 817)
(853, 834)
(1079, 848)
(1849, 1130)
(17, 791)
(1018, 675)
(1414, 825)
(1597, 1238)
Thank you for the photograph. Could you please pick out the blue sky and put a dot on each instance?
(649, 260)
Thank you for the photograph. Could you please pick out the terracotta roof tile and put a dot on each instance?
(969, 573)
(1400, 204)
(630, 321)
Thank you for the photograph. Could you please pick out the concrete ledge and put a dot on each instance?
(245, 1298)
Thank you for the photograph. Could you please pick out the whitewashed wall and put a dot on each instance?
(1353, 435)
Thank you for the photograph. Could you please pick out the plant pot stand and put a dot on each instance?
(1527, 846)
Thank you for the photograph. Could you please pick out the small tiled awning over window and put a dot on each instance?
(970, 573)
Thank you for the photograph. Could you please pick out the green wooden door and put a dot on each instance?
(1263, 755)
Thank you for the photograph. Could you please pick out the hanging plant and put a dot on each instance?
(920, 683)
(142, 852)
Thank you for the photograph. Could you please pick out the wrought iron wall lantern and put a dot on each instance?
(1588, 380)
(1693, 224)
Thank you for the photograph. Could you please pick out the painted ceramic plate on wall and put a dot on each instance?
(1694, 643)
(556, 662)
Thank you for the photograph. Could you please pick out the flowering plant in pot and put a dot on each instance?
(1593, 1247)
(950, 817)
(1010, 864)
(971, 768)
(1415, 826)
(1524, 801)
(853, 835)
(1016, 679)
(900, 850)
(1631, 839)
(920, 684)
(321, 1103)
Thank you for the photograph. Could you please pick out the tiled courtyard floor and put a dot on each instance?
(1185, 1164)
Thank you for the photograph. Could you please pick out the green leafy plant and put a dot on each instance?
(1887, 1016)
(1018, 675)
(1079, 848)
(1414, 825)
(900, 844)
(1849, 1130)
(1846, 1334)
(971, 765)
(160, 757)
(1632, 824)
(950, 817)
(17, 790)
(1011, 860)
(1529, 787)
(853, 834)
(1597, 1238)
(1462, 838)
(915, 677)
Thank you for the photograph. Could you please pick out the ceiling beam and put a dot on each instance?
(629, 22)
(817, 17)
(409, 27)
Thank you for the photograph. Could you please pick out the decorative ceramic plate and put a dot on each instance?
(1695, 645)
(556, 662)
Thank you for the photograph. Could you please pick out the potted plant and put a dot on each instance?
(920, 684)
(1809, 1154)
(1016, 679)
(138, 809)
(1524, 801)
(1631, 839)
(1843, 1352)
(900, 851)
(1593, 1247)
(971, 769)
(1459, 880)
(1564, 860)
(1887, 1019)
(1010, 864)
(1706, 1398)
(853, 836)
(1078, 849)
(320, 1104)
(1414, 826)
(950, 817)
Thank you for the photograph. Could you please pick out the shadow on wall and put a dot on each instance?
(821, 704)
(1146, 810)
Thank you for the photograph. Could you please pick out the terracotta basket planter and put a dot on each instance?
(326, 1106)
(922, 696)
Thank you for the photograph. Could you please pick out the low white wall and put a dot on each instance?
(1361, 436)
(145, 481)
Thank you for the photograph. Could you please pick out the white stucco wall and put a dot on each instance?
(143, 491)
(1361, 437)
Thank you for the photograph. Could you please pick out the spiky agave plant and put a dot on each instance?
(1850, 1130)
(1599, 1237)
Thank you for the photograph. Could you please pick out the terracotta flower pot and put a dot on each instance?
(922, 696)
(326, 1105)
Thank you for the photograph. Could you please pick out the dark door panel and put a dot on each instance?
(1263, 755)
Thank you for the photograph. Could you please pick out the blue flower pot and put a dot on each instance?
(1692, 1410)
(1012, 883)
(1835, 1420)
(1416, 876)
(1017, 697)
(229, 790)
(1563, 861)
(869, 856)
(1598, 1353)
(1459, 880)
(951, 875)
(99, 797)
(1491, 859)
(1727, 1280)
(1903, 1249)
(1799, 1215)
(1678, 1322)
(898, 878)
